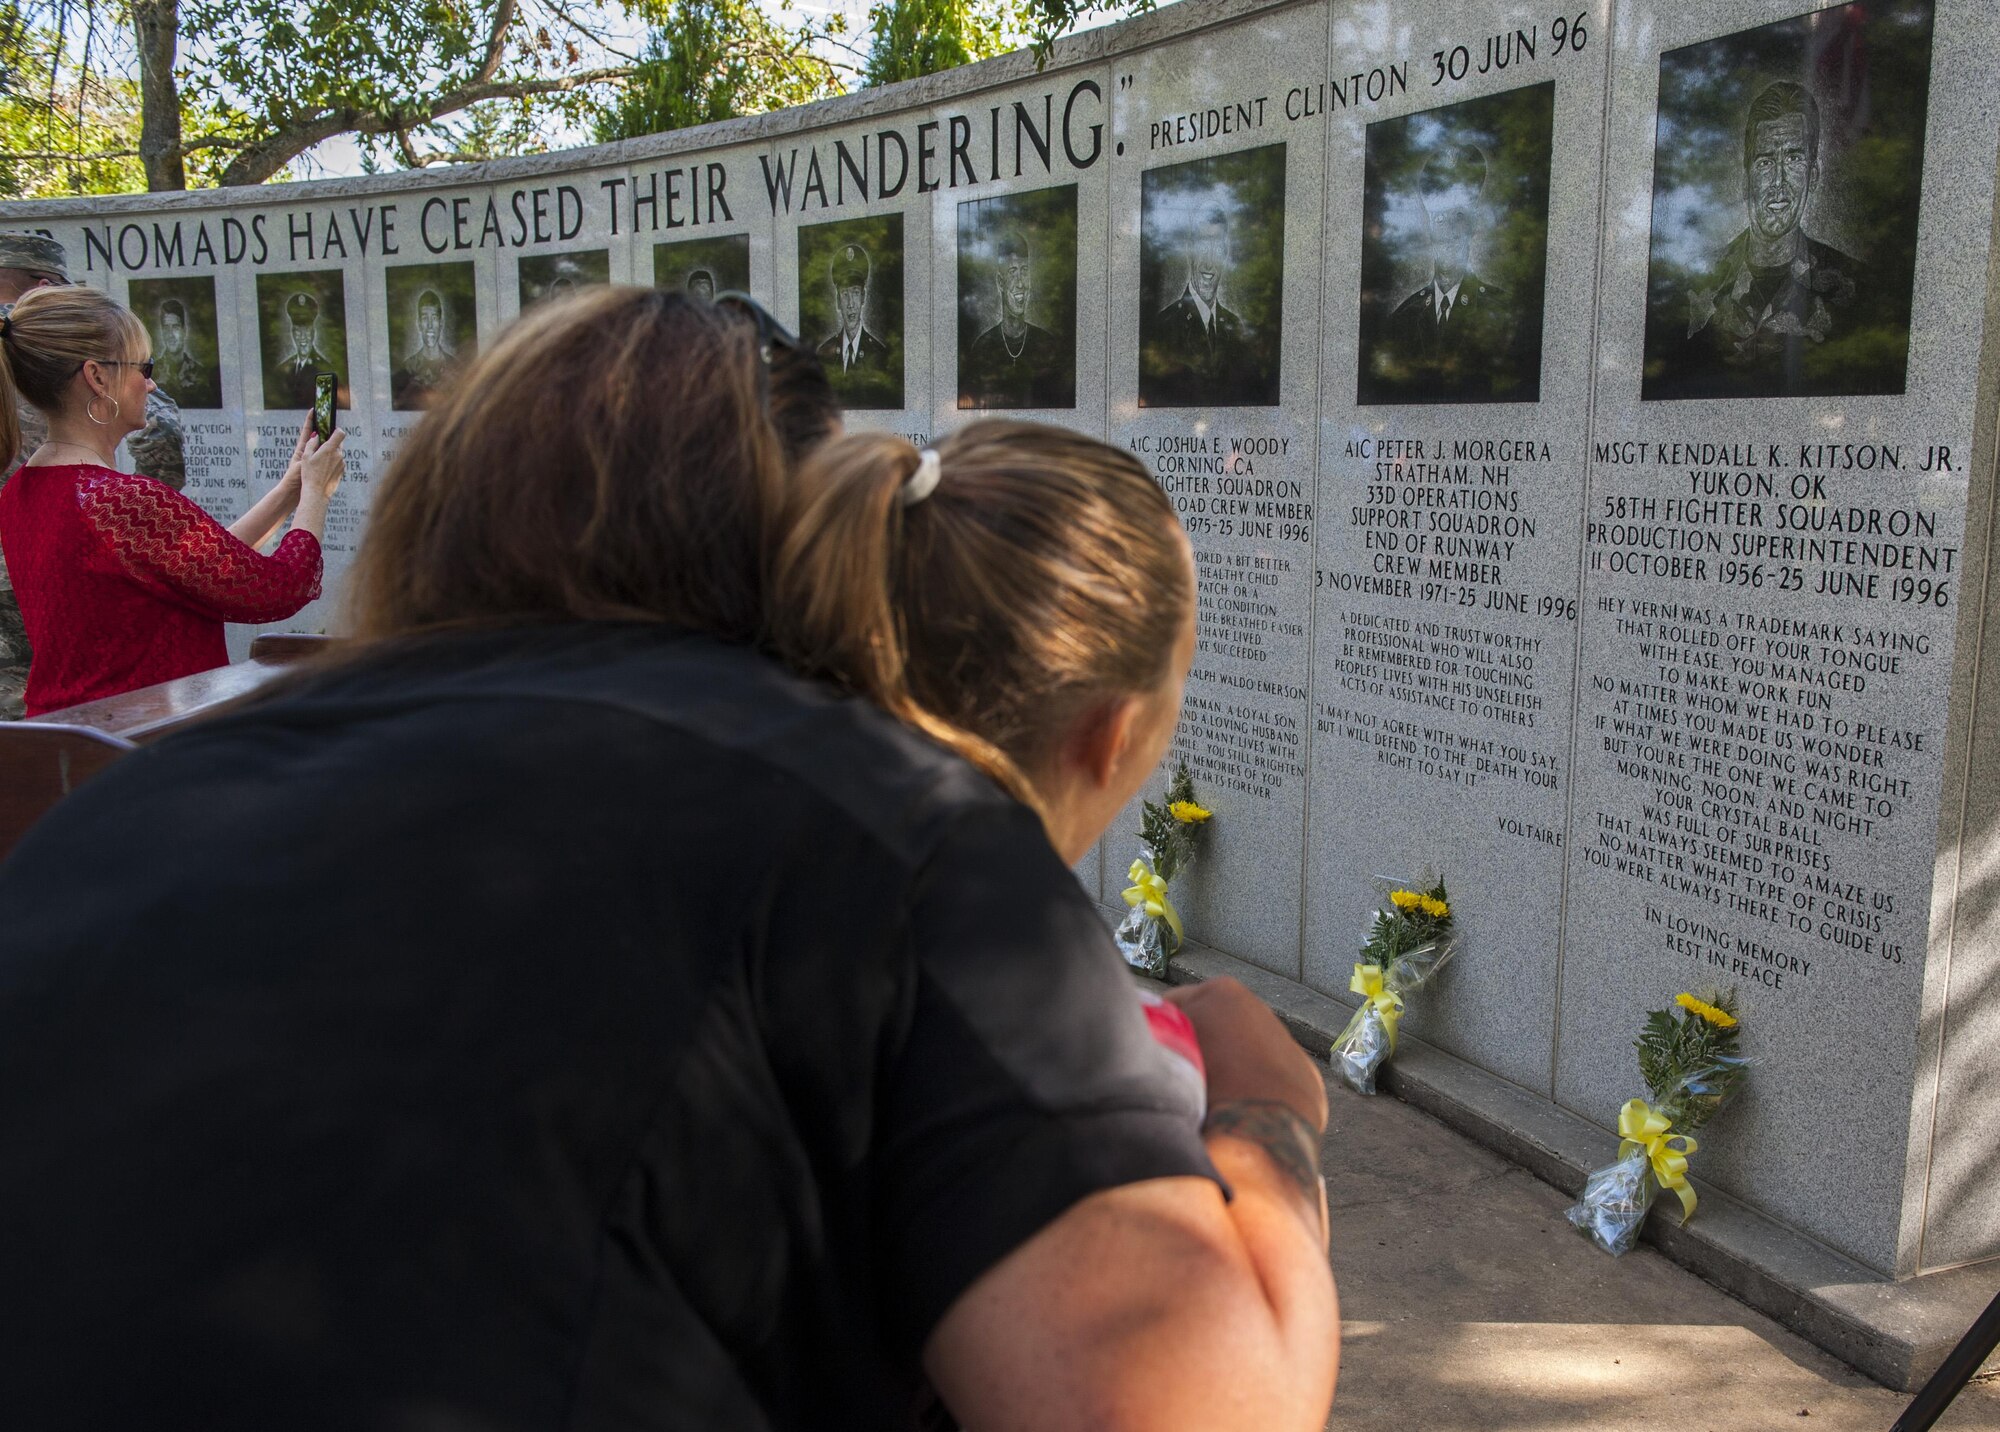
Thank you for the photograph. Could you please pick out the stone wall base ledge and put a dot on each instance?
(1895, 1332)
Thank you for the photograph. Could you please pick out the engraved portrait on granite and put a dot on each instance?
(302, 331)
(179, 314)
(702, 268)
(1017, 300)
(1212, 276)
(543, 277)
(433, 330)
(1454, 252)
(851, 306)
(1788, 170)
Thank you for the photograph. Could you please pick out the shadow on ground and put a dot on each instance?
(1468, 1303)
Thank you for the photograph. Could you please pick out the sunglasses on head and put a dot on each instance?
(770, 333)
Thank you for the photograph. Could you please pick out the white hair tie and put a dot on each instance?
(923, 482)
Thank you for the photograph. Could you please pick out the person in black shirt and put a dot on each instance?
(555, 1013)
(1026, 595)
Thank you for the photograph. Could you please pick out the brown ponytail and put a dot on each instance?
(1046, 571)
(49, 335)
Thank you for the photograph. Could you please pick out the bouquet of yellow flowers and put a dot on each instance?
(1409, 940)
(1688, 1059)
(1151, 931)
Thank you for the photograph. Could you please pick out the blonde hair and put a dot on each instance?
(1045, 572)
(48, 337)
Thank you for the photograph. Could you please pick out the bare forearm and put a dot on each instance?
(1153, 1308)
(255, 527)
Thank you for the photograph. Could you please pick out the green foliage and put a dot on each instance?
(418, 82)
(1404, 925)
(908, 38)
(1046, 21)
(44, 113)
(1689, 1061)
(1171, 839)
(381, 68)
(707, 60)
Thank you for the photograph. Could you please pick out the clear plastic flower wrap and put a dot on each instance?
(1151, 932)
(1407, 942)
(1688, 1059)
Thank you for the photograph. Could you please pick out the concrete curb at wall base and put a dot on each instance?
(1896, 1333)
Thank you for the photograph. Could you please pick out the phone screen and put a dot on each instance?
(325, 390)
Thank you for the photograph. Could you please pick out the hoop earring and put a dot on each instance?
(90, 411)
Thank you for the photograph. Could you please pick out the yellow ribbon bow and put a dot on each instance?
(1367, 983)
(1640, 1128)
(1150, 891)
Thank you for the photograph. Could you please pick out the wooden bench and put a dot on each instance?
(44, 758)
(40, 763)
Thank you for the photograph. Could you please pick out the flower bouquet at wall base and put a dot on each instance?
(1151, 932)
(1408, 941)
(1688, 1059)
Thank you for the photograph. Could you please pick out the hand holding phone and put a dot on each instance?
(326, 398)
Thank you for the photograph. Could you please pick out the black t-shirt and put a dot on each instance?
(586, 1027)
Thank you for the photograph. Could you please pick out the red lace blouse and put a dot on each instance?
(123, 582)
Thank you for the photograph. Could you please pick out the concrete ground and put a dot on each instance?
(1469, 1303)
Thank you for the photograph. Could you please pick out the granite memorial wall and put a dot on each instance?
(1582, 414)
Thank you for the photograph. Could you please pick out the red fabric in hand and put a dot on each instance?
(123, 582)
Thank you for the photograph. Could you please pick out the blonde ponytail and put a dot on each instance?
(1044, 571)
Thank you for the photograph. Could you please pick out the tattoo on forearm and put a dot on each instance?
(1279, 1131)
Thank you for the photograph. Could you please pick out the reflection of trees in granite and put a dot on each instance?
(1454, 253)
(1867, 70)
(1211, 274)
(1017, 300)
(725, 260)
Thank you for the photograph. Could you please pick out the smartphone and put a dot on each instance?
(326, 391)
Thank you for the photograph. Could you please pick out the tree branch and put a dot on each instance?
(70, 156)
(496, 43)
(261, 159)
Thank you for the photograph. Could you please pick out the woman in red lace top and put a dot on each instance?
(122, 581)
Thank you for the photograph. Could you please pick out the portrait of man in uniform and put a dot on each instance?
(701, 285)
(1775, 287)
(1783, 265)
(433, 330)
(428, 366)
(851, 306)
(302, 325)
(303, 351)
(1203, 335)
(1212, 259)
(175, 368)
(1454, 252)
(852, 348)
(179, 314)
